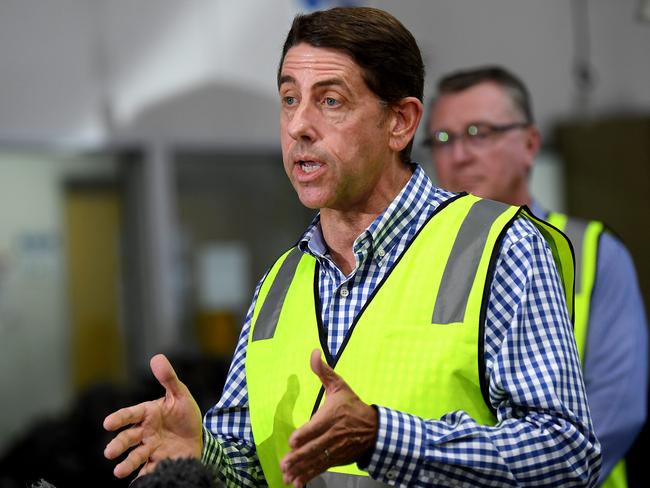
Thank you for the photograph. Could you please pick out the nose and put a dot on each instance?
(302, 122)
(458, 151)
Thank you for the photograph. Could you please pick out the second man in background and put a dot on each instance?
(484, 141)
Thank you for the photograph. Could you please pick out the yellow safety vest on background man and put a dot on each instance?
(585, 236)
(415, 347)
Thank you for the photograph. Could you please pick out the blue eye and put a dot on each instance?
(289, 100)
(331, 102)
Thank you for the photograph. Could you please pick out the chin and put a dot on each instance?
(311, 202)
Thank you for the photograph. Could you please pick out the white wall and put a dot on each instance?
(62, 59)
(33, 338)
(47, 91)
(34, 330)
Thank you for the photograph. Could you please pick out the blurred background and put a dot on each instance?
(142, 191)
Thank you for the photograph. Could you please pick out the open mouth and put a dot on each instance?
(309, 166)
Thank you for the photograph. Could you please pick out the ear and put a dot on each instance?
(404, 121)
(533, 143)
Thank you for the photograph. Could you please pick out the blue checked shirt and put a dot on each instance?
(543, 436)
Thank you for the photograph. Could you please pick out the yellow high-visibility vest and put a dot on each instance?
(585, 236)
(415, 347)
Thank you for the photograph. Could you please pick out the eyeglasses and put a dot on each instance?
(476, 135)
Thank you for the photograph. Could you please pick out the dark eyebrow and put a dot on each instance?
(285, 79)
(330, 82)
(318, 84)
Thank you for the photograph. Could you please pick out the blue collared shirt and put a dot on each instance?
(543, 436)
(616, 353)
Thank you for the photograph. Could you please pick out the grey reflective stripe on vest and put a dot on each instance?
(575, 231)
(460, 272)
(267, 320)
(330, 479)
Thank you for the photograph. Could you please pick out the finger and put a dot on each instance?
(136, 458)
(330, 380)
(166, 376)
(317, 425)
(123, 441)
(147, 468)
(323, 418)
(307, 476)
(306, 462)
(124, 416)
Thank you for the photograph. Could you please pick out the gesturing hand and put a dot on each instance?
(342, 430)
(169, 427)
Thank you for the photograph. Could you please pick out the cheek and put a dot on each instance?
(444, 168)
(284, 133)
(287, 165)
(342, 146)
(496, 161)
(285, 143)
(509, 163)
(503, 172)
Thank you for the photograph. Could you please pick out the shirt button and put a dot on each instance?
(380, 252)
(344, 292)
(391, 475)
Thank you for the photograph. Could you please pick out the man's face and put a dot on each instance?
(496, 163)
(333, 131)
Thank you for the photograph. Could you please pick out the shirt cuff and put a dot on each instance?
(212, 452)
(399, 449)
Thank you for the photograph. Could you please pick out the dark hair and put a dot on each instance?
(513, 86)
(387, 53)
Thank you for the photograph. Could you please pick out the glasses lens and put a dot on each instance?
(440, 138)
(478, 135)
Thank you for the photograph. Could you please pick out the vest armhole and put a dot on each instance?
(604, 229)
(496, 251)
(543, 227)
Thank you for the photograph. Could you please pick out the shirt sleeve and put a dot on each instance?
(616, 355)
(543, 435)
(227, 436)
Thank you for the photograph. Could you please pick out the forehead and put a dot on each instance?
(485, 102)
(304, 63)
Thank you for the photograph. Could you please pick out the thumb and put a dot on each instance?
(330, 380)
(166, 376)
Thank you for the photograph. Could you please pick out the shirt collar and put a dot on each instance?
(384, 232)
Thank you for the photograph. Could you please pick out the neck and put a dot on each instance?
(340, 232)
(522, 197)
(342, 227)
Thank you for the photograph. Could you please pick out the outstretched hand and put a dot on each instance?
(169, 427)
(343, 429)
